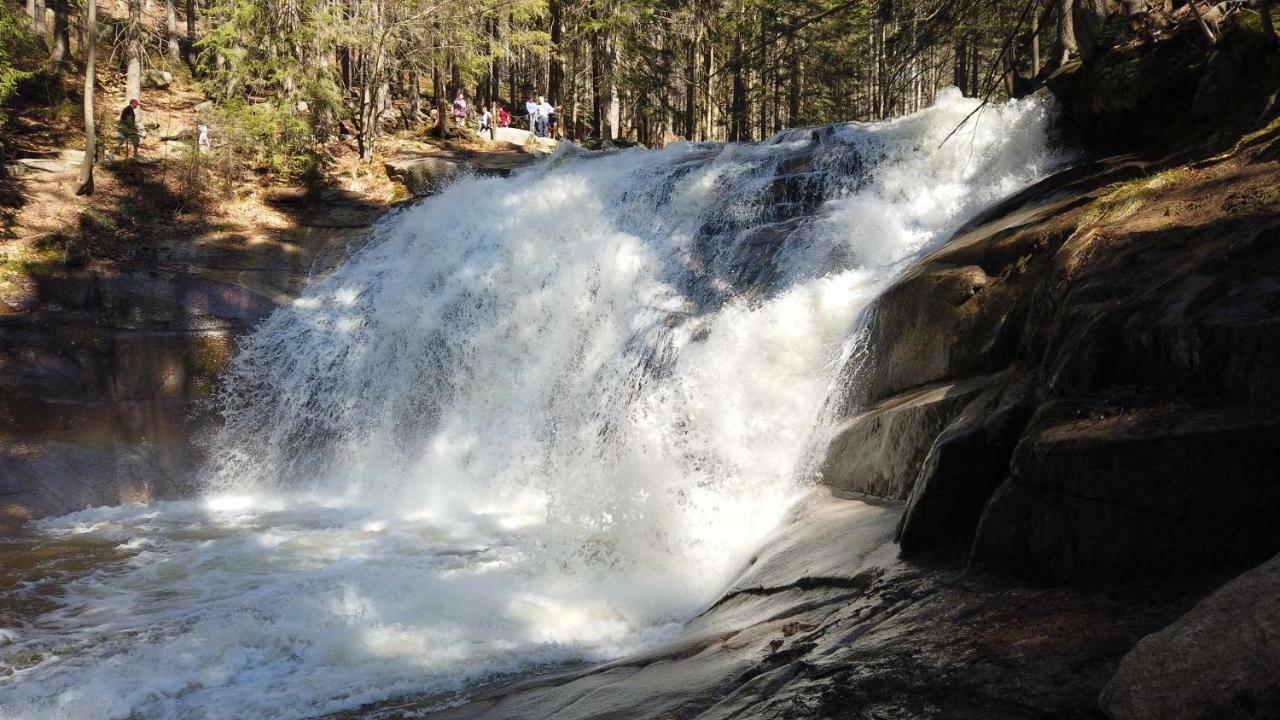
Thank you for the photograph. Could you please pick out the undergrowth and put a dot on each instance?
(1127, 198)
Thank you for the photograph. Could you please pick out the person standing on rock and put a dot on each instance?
(460, 110)
(544, 111)
(128, 129)
(486, 122)
(553, 120)
(504, 117)
(531, 110)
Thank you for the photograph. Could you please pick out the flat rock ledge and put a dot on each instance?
(828, 622)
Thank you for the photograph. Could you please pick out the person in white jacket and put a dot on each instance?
(544, 116)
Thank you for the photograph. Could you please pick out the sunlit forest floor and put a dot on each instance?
(172, 192)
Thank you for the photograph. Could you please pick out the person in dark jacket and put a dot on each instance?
(128, 129)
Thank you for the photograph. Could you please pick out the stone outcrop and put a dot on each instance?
(1124, 93)
(964, 463)
(1220, 661)
(423, 175)
(1097, 492)
(1116, 338)
(880, 451)
(426, 174)
(106, 373)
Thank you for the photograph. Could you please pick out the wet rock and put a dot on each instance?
(1195, 313)
(106, 375)
(1220, 661)
(880, 452)
(861, 635)
(1100, 492)
(33, 472)
(966, 463)
(923, 329)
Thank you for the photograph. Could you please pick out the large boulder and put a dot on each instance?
(424, 175)
(1102, 492)
(930, 326)
(1136, 307)
(1220, 661)
(158, 79)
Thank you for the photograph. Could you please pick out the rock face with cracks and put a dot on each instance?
(1078, 380)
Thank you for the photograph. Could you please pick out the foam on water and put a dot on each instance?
(536, 420)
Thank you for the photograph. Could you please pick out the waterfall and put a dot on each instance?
(536, 420)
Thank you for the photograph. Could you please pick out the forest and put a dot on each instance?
(652, 71)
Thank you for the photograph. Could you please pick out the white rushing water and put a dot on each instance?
(536, 420)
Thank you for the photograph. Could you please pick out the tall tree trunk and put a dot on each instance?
(708, 61)
(133, 51)
(442, 118)
(85, 186)
(691, 89)
(172, 44)
(1067, 48)
(189, 50)
(495, 66)
(613, 114)
(797, 76)
(555, 71)
(516, 95)
(975, 66)
(35, 8)
(415, 97)
(598, 109)
(61, 48)
(762, 65)
(739, 128)
(1035, 42)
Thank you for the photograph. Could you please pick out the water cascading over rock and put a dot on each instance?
(536, 420)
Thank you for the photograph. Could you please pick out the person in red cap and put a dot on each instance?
(128, 129)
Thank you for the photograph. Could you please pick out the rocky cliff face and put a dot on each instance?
(1080, 380)
(106, 373)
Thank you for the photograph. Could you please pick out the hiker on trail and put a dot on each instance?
(544, 116)
(202, 137)
(459, 110)
(531, 109)
(504, 117)
(128, 129)
(486, 121)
